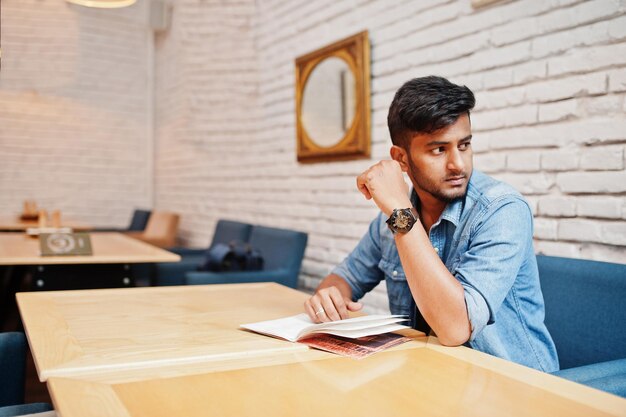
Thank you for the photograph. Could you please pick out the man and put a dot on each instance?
(457, 252)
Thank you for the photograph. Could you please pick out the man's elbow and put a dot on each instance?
(454, 337)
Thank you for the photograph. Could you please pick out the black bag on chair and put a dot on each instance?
(235, 256)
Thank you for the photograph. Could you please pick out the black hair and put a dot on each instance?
(425, 105)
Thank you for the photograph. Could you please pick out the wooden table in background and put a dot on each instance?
(179, 351)
(109, 266)
(15, 224)
(108, 248)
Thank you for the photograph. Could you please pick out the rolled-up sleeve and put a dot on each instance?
(487, 270)
(360, 267)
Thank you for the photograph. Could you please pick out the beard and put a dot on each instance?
(437, 188)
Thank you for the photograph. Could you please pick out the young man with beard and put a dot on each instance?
(456, 252)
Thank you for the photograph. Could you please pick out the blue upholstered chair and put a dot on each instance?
(137, 223)
(139, 220)
(173, 273)
(586, 315)
(12, 374)
(282, 252)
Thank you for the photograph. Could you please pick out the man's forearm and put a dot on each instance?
(438, 294)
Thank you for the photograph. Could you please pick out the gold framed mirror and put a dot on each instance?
(333, 101)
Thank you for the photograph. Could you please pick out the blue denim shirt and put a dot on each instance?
(485, 241)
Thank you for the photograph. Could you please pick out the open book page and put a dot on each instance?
(296, 327)
(356, 333)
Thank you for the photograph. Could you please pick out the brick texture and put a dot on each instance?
(75, 110)
(550, 95)
(549, 78)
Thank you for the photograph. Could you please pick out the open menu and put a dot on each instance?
(299, 327)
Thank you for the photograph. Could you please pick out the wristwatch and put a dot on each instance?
(402, 220)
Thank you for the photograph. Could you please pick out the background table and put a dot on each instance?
(426, 380)
(15, 224)
(136, 333)
(108, 248)
(113, 253)
(111, 265)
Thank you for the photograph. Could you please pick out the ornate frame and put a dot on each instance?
(356, 143)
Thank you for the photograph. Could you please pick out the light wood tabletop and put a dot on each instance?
(431, 380)
(108, 248)
(135, 333)
(15, 224)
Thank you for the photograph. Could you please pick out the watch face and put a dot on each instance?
(402, 220)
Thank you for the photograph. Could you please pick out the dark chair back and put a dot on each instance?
(12, 376)
(228, 230)
(281, 249)
(585, 309)
(12, 368)
(139, 221)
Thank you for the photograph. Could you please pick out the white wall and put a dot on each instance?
(79, 113)
(207, 118)
(74, 110)
(549, 78)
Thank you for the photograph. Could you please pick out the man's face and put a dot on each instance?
(440, 164)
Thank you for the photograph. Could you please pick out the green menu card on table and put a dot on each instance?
(65, 244)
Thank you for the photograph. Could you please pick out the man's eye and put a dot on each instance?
(464, 146)
(438, 150)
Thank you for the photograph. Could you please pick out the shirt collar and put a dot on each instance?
(451, 213)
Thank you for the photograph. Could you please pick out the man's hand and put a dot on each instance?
(329, 304)
(384, 183)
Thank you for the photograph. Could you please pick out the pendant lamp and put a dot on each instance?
(106, 4)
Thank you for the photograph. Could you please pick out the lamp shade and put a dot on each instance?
(106, 4)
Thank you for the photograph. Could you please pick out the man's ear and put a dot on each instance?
(399, 154)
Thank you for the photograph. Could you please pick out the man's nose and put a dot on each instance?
(455, 161)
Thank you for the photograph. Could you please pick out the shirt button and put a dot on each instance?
(394, 273)
(437, 250)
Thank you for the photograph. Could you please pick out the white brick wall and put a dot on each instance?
(74, 110)
(549, 78)
(76, 115)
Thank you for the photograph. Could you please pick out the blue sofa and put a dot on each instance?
(12, 372)
(282, 252)
(173, 273)
(586, 315)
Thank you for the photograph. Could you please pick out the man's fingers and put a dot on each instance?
(308, 308)
(329, 304)
(354, 306)
(360, 183)
(329, 309)
(319, 312)
(340, 304)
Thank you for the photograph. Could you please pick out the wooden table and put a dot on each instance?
(137, 333)
(109, 266)
(15, 224)
(108, 248)
(178, 351)
(429, 380)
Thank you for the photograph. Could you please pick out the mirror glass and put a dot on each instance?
(333, 101)
(329, 102)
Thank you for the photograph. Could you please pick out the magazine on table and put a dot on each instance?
(355, 348)
(357, 337)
